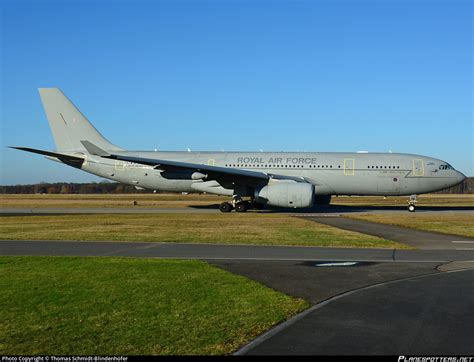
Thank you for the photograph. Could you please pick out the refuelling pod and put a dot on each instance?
(211, 187)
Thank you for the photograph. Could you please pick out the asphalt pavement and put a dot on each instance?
(422, 315)
(225, 252)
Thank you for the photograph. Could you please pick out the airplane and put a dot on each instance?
(250, 179)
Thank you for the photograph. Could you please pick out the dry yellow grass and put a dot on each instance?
(458, 224)
(183, 201)
(258, 229)
(108, 200)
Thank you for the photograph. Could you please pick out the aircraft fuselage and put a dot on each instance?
(384, 174)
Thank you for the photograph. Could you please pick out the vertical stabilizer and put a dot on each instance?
(68, 124)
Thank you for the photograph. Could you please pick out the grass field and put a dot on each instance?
(123, 306)
(109, 200)
(459, 224)
(183, 201)
(257, 229)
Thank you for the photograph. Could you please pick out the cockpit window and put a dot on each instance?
(446, 167)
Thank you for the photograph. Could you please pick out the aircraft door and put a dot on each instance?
(418, 167)
(349, 166)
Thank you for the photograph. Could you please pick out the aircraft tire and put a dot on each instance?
(241, 207)
(411, 208)
(225, 207)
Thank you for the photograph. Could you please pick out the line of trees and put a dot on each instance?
(467, 187)
(72, 188)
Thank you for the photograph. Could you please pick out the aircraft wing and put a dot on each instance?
(227, 177)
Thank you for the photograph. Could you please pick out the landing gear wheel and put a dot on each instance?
(241, 207)
(411, 203)
(225, 207)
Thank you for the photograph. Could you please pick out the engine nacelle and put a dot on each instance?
(286, 194)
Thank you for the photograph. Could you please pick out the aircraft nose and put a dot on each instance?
(460, 177)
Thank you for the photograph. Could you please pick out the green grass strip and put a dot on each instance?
(84, 306)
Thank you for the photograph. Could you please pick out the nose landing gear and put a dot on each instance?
(412, 203)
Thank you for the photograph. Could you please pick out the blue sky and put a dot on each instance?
(240, 75)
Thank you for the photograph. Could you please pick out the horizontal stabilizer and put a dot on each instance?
(74, 161)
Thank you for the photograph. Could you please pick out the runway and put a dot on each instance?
(226, 252)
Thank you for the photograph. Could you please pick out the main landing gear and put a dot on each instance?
(226, 207)
(412, 203)
(239, 205)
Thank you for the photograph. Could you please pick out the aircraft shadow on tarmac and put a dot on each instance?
(328, 209)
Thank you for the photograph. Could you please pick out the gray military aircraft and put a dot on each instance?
(251, 179)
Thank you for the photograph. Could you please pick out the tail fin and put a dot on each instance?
(68, 124)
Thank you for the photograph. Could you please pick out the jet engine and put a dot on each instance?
(286, 194)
